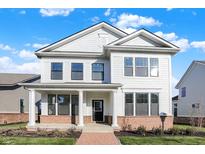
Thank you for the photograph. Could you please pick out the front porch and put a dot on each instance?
(73, 107)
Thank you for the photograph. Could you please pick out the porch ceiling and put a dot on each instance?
(68, 86)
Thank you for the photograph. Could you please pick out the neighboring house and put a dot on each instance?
(175, 101)
(102, 74)
(14, 98)
(192, 92)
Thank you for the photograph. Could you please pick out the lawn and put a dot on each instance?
(13, 126)
(202, 129)
(162, 140)
(35, 141)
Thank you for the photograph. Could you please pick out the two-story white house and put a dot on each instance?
(102, 74)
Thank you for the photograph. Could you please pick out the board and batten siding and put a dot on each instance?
(87, 69)
(161, 84)
(195, 92)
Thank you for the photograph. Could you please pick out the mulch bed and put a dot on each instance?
(40, 133)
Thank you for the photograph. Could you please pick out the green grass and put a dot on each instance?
(170, 140)
(13, 126)
(188, 126)
(35, 141)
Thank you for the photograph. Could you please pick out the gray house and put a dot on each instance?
(14, 98)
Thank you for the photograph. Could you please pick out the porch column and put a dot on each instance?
(81, 123)
(114, 109)
(32, 116)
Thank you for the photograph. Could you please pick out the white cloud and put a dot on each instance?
(107, 12)
(95, 19)
(39, 45)
(198, 44)
(26, 54)
(7, 65)
(174, 83)
(173, 38)
(129, 22)
(6, 47)
(55, 12)
(22, 12)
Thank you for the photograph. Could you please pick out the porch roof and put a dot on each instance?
(71, 85)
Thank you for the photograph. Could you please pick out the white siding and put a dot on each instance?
(92, 42)
(87, 66)
(195, 92)
(141, 41)
(159, 84)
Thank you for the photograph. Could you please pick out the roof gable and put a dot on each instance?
(143, 37)
(100, 26)
(188, 71)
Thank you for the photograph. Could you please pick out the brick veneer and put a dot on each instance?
(63, 119)
(190, 120)
(7, 118)
(131, 122)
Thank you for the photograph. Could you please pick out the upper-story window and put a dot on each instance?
(56, 71)
(128, 66)
(141, 66)
(98, 71)
(77, 71)
(154, 67)
(183, 92)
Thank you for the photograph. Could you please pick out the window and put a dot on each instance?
(141, 104)
(129, 104)
(21, 105)
(141, 67)
(154, 67)
(56, 71)
(63, 104)
(98, 71)
(154, 104)
(183, 92)
(77, 71)
(128, 66)
(51, 104)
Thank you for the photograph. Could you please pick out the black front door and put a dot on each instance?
(97, 106)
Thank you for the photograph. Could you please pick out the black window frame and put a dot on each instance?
(56, 70)
(21, 105)
(98, 72)
(74, 71)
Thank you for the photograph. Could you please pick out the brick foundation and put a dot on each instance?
(131, 122)
(196, 121)
(63, 119)
(8, 118)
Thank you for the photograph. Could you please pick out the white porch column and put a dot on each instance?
(32, 114)
(114, 109)
(81, 123)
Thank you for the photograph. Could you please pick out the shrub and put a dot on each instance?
(190, 131)
(141, 130)
(174, 131)
(157, 131)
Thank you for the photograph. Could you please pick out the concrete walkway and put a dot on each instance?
(97, 134)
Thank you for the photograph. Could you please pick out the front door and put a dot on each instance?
(97, 106)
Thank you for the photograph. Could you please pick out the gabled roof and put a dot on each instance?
(12, 79)
(175, 98)
(190, 68)
(81, 33)
(147, 34)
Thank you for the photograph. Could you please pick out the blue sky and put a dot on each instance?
(22, 31)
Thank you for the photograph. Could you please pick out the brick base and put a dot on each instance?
(196, 121)
(63, 119)
(7, 118)
(131, 122)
